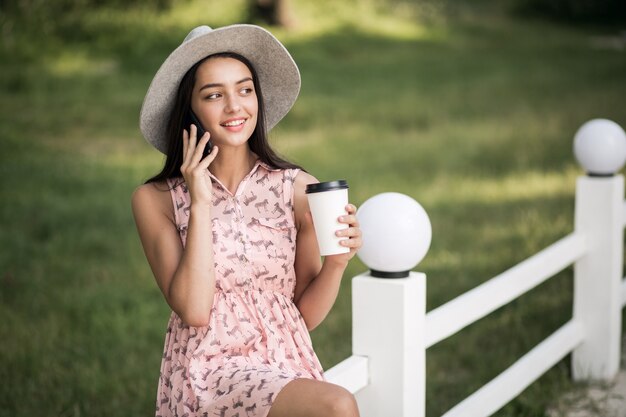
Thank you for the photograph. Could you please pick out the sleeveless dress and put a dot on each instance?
(256, 341)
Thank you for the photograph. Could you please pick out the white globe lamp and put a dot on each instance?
(396, 234)
(600, 147)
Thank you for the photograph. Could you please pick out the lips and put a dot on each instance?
(233, 122)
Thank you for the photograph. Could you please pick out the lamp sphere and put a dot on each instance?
(396, 234)
(600, 147)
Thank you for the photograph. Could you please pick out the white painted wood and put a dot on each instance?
(388, 327)
(352, 373)
(624, 214)
(446, 320)
(510, 383)
(598, 276)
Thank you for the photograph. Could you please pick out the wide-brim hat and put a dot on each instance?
(277, 73)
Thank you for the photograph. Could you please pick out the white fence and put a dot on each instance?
(391, 329)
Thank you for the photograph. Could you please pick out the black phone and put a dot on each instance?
(190, 119)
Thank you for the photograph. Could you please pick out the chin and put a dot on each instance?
(232, 142)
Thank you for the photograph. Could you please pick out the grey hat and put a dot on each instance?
(278, 74)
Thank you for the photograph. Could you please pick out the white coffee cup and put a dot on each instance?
(327, 201)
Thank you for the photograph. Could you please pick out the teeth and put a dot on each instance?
(235, 123)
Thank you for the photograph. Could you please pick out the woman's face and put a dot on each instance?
(225, 101)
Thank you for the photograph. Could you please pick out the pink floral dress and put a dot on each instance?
(256, 341)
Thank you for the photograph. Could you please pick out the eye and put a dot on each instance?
(247, 90)
(212, 96)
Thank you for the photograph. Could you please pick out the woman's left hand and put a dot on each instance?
(352, 233)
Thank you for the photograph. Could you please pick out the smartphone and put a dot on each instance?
(190, 119)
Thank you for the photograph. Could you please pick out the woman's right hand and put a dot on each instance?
(195, 170)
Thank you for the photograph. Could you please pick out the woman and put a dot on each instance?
(229, 236)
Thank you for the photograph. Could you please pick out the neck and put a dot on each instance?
(232, 165)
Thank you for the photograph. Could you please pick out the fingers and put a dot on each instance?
(351, 208)
(353, 232)
(185, 142)
(204, 164)
(193, 149)
(191, 143)
(186, 146)
(192, 146)
(197, 154)
(353, 235)
(349, 232)
(349, 219)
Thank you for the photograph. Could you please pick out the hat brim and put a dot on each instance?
(278, 75)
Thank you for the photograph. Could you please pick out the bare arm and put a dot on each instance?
(317, 283)
(178, 272)
(185, 276)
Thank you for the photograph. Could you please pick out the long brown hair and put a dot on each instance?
(258, 141)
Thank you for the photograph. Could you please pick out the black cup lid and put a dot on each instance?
(326, 186)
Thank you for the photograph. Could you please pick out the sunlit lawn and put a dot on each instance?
(471, 114)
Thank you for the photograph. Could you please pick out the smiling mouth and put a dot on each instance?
(234, 123)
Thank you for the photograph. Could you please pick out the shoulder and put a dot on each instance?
(152, 198)
(302, 180)
(151, 192)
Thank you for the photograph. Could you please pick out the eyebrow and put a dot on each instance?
(213, 85)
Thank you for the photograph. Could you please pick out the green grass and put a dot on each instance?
(472, 114)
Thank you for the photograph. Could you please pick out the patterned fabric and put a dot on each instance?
(256, 341)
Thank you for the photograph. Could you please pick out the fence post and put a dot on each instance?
(388, 317)
(600, 146)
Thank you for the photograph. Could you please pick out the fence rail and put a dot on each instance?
(446, 320)
(351, 373)
(510, 383)
(391, 329)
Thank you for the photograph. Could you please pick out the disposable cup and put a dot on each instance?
(327, 201)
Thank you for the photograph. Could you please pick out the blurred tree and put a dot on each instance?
(59, 17)
(577, 10)
(272, 12)
(65, 5)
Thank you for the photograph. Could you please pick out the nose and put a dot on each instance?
(232, 104)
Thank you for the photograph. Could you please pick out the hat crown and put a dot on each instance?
(198, 31)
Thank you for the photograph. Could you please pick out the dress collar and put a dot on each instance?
(244, 181)
(266, 166)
